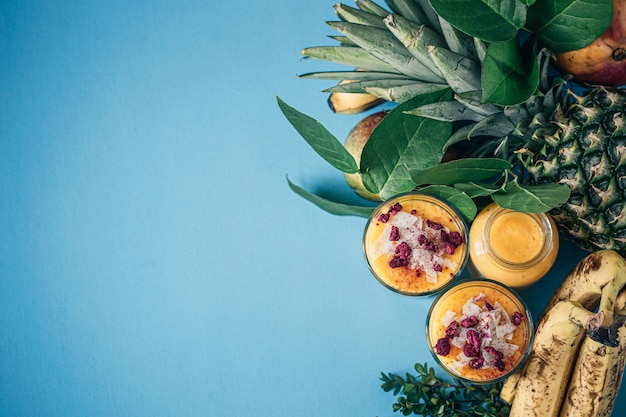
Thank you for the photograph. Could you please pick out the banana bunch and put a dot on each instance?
(578, 355)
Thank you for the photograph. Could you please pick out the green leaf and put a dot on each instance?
(531, 198)
(329, 206)
(403, 143)
(461, 170)
(352, 56)
(510, 73)
(320, 139)
(566, 25)
(488, 20)
(456, 198)
(477, 189)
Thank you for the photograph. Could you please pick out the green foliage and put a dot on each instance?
(427, 395)
(402, 144)
(332, 207)
(510, 73)
(316, 135)
(404, 153)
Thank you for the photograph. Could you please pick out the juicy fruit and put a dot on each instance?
(411, 51)
(603, 62)
(568, 349)
(588, 154)
(356, 140)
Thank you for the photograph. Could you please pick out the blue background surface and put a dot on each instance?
(153, 261)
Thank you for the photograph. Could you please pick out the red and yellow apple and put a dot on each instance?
(603, 62)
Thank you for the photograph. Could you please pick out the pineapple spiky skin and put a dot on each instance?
(587, 152)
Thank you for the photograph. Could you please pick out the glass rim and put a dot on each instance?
(544, 222)
(440, 202)
(505, 290)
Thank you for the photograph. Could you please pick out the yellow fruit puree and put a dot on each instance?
(511, 247)
(504, 327)
(431, 260)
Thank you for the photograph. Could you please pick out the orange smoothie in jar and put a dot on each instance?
(415, 244)
(514, 248)
(479, 331)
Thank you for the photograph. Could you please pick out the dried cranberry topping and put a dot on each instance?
(473, 338)
(433, 225)
(470, 350)
(397, 207)
(437, 268)
(451, 329)
(455, 238)
(488, 306)
(398, 261)
(470, 321)
(499, 364)
(493, 351)
(449, 248)
(395, 233)
(517, 318)
(442, 347)
(403, 250)
(477, 363)
(383, 218)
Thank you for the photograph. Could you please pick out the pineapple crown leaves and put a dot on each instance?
(478, 33)
(448, 61)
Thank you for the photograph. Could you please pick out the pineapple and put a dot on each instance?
(554, 135)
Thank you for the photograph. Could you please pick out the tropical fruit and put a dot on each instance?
(356, 140)
(604, 61)
(553, 136)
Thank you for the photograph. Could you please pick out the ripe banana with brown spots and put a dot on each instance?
(584, 284)
(543, 378)
(596, 379)
(598, 372)
(586, 281)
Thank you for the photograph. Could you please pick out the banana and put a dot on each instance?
(584, 285)
(542, 380)
(598, 372)
(351, 103)
(586, 281)
(596, 378)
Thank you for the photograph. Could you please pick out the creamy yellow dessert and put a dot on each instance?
(415, 244)
(479, 331)
(514, 248)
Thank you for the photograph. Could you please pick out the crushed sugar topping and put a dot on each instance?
(416, 243)
(482, 332)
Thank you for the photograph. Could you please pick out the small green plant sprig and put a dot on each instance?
(428, 395)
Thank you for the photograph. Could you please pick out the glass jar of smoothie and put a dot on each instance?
(479, 331)
(511, 247)
(415, 243)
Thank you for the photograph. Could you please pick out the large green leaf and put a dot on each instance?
(320, 139)
(401, 144)
(531, 198)
(489, 20)
(461, 170)
(510, 73)
(456, 198)
(329, 206)
(566, 25)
